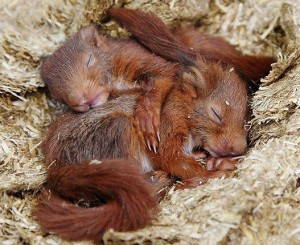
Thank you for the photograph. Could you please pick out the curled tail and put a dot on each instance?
(127, 199)
(154, 34)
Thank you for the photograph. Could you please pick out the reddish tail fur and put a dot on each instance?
(119, 183)
(184, 45)
(216, 48)
(157, 37)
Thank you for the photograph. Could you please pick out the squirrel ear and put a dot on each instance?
(91, 36)
(193, 82)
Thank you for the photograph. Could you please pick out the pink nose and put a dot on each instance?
(99, 98)
(92, 99)
(229, 149)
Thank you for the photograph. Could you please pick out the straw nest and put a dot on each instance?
(259, 205)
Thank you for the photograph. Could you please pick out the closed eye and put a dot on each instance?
(217, 116)
(89, 62)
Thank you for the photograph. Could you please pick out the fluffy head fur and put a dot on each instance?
(77, 72)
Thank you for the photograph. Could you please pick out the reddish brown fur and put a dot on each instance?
(217, 66)
(89, 61)
(197, 127)
(72, 176)
(89, 67)
(106, 132)
(119, 183)
(250, 67)
(211, 85)
(71, 78)
(207, 113)
(161, 41)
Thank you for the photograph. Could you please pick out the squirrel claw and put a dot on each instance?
(149, 145)
(148, 122)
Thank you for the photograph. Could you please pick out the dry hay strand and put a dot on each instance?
(29, 30)
(21, 131)
(250, 25)
(173, 12)
(259, 205)
(276, 104)
(18, 225)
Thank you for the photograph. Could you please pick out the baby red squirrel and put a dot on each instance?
(83, 72)
(212, 58)
(96, 156)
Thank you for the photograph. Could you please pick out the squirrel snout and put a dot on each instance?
(97, 98)
(229, 148)
(91, 99)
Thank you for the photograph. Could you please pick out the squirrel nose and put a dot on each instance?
(91, 99)
(239, 148)
(229, 148)
(98, 97)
